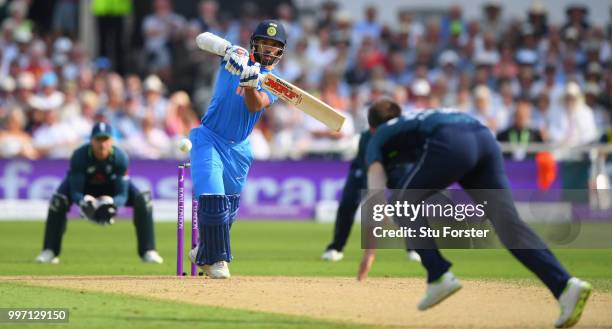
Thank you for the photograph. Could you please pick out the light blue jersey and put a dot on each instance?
(221, 154)
(227, 114)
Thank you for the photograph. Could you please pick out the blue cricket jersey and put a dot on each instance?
(227, 114)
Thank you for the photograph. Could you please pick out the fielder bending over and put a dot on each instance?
(451, 147)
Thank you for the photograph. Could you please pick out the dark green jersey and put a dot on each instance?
(87, 175)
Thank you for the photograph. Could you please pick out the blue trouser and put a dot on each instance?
(218, 170)
(468, 154)
(349, 202)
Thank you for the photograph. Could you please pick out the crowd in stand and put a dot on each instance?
(526, 79)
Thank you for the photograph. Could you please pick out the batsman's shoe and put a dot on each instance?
(218, 270)
(439, 290)
(332, 255)
(47, 256)
(152, 257)
(413, 256)
(572, 302)
(193, 254)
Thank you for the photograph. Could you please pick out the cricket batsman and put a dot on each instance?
(450, 147)
(221, 153)
(98, 182)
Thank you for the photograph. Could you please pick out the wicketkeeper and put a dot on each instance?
(98, 182)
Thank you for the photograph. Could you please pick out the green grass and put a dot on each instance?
(260, 248)
(100, 310)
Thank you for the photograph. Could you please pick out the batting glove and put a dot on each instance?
(236, 59)
(250, 76)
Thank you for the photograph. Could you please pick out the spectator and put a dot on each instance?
(576, 15)
(7, 89)
(316, 141)
(419, 95)
(398, 71)
(84, 121)
(37, 62)
(483, 110)
(320, 54)
(154, 101)
(207, 19)
(25, 90)
(10, 49)
(573, 124)
(18, 12)
(150, 142)
(54, 139)
(549, 83)
(492, 20)
(505, 105)
(78, 63)
(537, 18)
(128, 120)
(332, 92)
(520, 134)
(369, 27)
(14, 141)
(49, 97)
(180, 118)
(160, 29)
(592, 93)
(541, 117)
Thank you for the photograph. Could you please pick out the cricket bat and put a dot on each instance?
(284, 90)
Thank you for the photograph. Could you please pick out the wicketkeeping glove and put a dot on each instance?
(87, 207)
(236, 59)
(105, 211)
(250, 76)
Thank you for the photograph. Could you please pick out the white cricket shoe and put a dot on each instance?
(439, 290)
(413, 256)
(218, 270)
(572, 302)
(47, 256)
(332, 255)
(152, 257)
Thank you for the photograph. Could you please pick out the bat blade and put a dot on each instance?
(303, 101)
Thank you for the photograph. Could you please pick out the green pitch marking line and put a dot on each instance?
(263, 248)
(102, 310)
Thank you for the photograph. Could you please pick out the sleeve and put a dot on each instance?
(121, 179)
(374, 151)
(76, 176)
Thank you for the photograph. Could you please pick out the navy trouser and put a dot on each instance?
(469, 154)
(139, 201)
(349, 202)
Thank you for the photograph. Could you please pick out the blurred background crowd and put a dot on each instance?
(528, 80)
